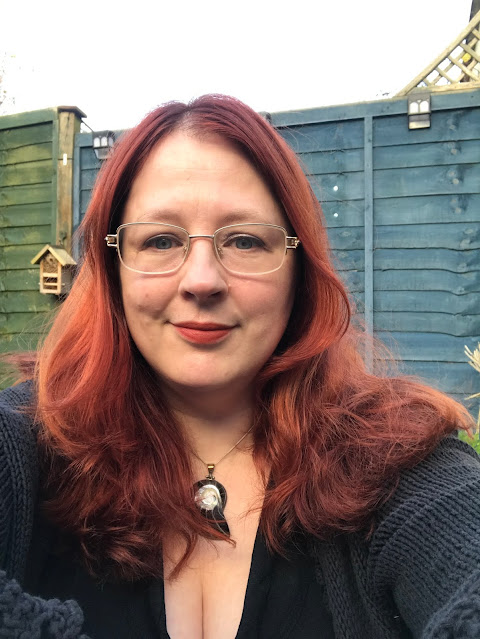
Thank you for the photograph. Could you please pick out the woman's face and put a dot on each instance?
(202, 185)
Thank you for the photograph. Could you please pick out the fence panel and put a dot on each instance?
(36, 150)
(403, 211)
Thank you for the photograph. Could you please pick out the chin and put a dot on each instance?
(203, 383)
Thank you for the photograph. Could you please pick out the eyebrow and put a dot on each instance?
(160, 215)
(172, 216)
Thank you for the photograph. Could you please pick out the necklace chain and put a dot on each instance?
(226, 454)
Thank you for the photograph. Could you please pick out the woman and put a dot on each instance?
(214, 459)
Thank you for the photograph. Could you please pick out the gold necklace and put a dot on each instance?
(210, 494)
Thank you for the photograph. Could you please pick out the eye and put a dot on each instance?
(245, 242)
(163, 242)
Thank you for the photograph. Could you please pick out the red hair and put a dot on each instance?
(334, 436)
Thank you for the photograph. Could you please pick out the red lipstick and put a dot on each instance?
(202, 333)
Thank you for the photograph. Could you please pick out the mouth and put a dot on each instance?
(203, 332)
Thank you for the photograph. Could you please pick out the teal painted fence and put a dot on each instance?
(403, 211)
(85, 170)
(403, 214)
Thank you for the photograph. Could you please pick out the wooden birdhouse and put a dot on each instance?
(56, 269)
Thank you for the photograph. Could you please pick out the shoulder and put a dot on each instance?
(16, 396)
(17, 438)
(426, 548)
(449, 474)
(18, 476)
(15, 402)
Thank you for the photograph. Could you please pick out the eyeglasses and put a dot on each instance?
(157, 248)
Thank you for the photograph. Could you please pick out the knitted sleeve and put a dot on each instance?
(23, 615)
(426, 550)
(18, 478)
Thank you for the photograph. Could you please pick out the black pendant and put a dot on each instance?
(211, 498)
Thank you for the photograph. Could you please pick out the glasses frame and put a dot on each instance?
(291, 242)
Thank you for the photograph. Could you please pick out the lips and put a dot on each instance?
(203, 332)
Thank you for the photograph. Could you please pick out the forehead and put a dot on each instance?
(187, 177)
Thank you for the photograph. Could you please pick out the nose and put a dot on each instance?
(202, 276)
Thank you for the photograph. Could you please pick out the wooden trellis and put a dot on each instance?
(457, 67)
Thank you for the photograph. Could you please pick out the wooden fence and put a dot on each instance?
(403, 212)
(36, 151)
(402, 209)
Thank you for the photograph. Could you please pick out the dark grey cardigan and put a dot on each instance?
(419, 576)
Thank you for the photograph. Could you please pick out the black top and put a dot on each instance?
(283, 599)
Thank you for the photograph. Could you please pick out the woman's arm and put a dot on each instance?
(22, 615)
(426, 549)
(18, 478)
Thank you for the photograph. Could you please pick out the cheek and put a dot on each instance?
(283, 291)
(268, 304)
(142, 298)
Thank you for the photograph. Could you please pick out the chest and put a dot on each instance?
(278, 596)
(207, 598)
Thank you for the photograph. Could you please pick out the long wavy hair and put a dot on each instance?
(334, 436)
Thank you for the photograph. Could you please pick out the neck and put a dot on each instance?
(213, 420)
(211, 438)
(209, 405)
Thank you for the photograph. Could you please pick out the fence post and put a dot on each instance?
(69, 120)
(368, 229)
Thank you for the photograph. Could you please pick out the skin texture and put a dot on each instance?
(201, 185)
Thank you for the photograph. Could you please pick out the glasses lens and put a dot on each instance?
(251, 248)
(152, 248)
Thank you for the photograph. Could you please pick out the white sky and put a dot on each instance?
(116, 61)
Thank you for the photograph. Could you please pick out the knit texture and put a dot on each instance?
(418, 577)
(25, 617)
(18, 478)
(420, 574)
(427, 548)
(21, 615)
(460, 616)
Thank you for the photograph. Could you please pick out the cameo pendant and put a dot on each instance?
(211, 498)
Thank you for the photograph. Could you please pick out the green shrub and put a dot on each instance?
(474, 361)
(473, 441)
